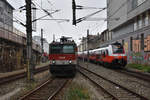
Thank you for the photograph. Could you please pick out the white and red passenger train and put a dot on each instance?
(112, 55)
(63, 57)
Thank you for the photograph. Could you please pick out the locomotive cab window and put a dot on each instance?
(117, 49)
(55, 49)
(68, 49)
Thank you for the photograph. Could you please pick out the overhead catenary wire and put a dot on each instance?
(84, 7)
(56, 21)
(44, 10)
(97, 26)
(40, 18)
(86, 17)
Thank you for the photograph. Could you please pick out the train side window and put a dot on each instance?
(101, 52)
(106, 52)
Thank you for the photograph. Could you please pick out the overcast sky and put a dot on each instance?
(63, 28)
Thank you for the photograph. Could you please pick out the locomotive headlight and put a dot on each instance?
(53, 61)
(70, 61)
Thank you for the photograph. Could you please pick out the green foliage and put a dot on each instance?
(77, 92)
(136, 54)
(145, 68)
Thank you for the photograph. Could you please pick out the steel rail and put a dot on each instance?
(57, 91)
(140, 96)
(38, 91)
(113, 97)
(14, 77)
(139, 75)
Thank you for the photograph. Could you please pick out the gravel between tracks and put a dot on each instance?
(95, 94)
(139, 86)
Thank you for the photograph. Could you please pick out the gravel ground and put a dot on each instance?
(95, 94)
(11, 91)
(139, 86)
(114, 90)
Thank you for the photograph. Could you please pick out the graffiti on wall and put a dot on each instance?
(137, 55)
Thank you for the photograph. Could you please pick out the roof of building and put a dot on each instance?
(9, 4)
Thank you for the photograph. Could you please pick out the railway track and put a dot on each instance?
(136, 74)
(47, 91)
(116, 91)
(139, 75)
(20, 75)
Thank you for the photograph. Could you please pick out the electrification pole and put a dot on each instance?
(74, 12)
(29, 40)
(88, 44)
(42, 44)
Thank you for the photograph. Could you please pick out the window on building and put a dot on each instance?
(142, 41)
(143, 20)
(123, 42)
(140, 22)
(131, 40)
(139, 2)
(146, 19)
(135, 24)
(136, 3)
(146, 44)
(136, 45)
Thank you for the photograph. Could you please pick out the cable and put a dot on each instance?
(51, 16)
(84, 18)
(101, 24)
(18, 18)
(56, 21)
(19, 22)
(84, 7)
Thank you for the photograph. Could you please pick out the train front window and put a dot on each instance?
(55, 49)
(68, 49)
(117, 49)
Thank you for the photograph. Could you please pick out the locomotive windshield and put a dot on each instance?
(55, 49)
(117, 49)
(62, 49)
(68, 49)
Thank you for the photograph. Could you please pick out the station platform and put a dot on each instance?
(7, 74)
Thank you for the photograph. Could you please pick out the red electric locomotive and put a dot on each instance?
(63, 57)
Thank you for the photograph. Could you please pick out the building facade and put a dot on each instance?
(132, 29)
(95, 41)
(13, 42)
(6, 15)
(45, 43)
